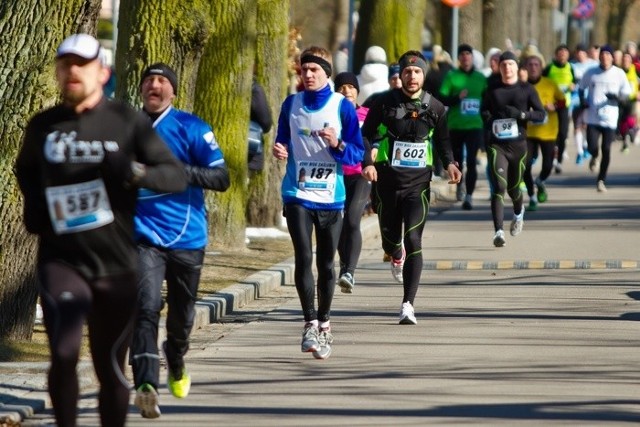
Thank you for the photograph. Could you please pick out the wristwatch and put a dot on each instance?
(341, 146)
(522, 115)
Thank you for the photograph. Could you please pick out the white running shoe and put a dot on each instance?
(346, 283)
(407, 314)
(397, 266)
(498, 239)
(601, 187)
(517, 223)
(325, 339)
(309, 338)
(147, 401)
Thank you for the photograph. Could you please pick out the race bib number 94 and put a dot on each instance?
(78, 207)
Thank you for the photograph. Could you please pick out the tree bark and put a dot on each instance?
(500, 17)
(264, 206)
(30, 35)
(170, 31)
(223, 98)
(394, 25)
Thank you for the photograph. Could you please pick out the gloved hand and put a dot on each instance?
(612, 97)
(118, 166)
(512, 112)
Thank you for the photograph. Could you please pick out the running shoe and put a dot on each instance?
(593, 164)
(324, 339)
(498, 239)
(310, 338)
(466, 205)
(516, 224)
(579, 159)
(386, 257)
(346, 283)
(542, 191)
(147, 401)
(533, 205)
(558, 168)
(407, 314)
(179, 383)
(397, 265)
(459, 192)
(601, 187)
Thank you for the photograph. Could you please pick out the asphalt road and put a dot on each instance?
(543, 331)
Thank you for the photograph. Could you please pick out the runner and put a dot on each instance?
(507, 107)
(404, 124)
(462, 90)
(79, 168)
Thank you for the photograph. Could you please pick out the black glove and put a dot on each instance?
(119, 166)
(512, 112)
(612, 97)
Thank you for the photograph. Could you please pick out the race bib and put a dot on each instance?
(317, 176)
(470, 107)
(608, 113)
(78, 207)
(505, 128)
(409, 154)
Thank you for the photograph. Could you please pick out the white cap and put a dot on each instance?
(82, 45)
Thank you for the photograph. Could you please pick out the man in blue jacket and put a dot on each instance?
(171, 231)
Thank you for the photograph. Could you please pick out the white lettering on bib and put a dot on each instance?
(409, 154)
(505, 128)
(79, 207)
(470, 107)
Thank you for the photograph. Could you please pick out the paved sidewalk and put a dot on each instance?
(542, 331)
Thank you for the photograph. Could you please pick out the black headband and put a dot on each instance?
(323, 63)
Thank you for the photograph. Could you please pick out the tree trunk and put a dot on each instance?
(169, 31)
(499, 18)
(394, 25)
(319, 21)
(223, 98)
(30, 35)
(470, 28)
(264, 207)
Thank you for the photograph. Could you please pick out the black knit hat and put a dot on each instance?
(465, 48)
(345, 78)
(161, 69)
(508, 55)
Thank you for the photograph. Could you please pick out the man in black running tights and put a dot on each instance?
(507, 107)
(79, 168)
(405, 125)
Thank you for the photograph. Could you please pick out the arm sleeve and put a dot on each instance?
(283, 134)
(28, 176)
(206, 166)
(442, 141)
(216, 178)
